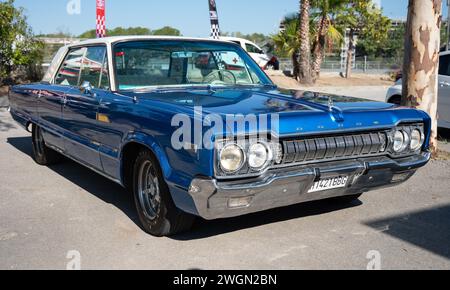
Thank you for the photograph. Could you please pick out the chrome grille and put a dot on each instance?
(333, 147)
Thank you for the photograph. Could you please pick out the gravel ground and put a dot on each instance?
(47, 212)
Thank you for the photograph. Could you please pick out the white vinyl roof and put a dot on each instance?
(112, 39)
(52, 70)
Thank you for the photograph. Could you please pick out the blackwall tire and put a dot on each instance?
(42, 154)
(156, 210)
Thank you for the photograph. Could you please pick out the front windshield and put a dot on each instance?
(148, 64)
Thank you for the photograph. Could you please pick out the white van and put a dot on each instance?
(264, 60)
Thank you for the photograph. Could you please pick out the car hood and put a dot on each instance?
(299, 112)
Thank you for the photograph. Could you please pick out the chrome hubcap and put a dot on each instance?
(148, 190)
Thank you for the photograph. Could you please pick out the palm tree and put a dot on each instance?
(327, 33)
(322, 31)
(288, 41)
(305, 76)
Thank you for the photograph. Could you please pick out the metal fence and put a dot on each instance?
(361, 65)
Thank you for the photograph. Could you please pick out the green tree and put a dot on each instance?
(118, 31)
(88, 34)
(18, 46)
(391, 47)
(362, 18)
(167, 30)
(287, 41)
(324, 30)
(257, 38)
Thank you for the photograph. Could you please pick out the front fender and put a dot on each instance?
(176, 181)
(151, 143)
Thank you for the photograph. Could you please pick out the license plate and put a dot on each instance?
(329, 183)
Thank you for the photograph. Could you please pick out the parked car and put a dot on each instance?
(264, 60)
(116, 105)
(394, 93)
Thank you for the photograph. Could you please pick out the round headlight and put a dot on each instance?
(399, 141)
(258, 155)
(231, 158)
(416, 139)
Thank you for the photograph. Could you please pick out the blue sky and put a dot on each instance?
(190, 16)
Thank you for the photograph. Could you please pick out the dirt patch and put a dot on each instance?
(4, 90)
(332, 80)
(442, 155)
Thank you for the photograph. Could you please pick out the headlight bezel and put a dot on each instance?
(406, 130)
(245, 170)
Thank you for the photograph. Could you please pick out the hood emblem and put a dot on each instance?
(330, 104)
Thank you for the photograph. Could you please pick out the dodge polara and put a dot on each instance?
(194, 128)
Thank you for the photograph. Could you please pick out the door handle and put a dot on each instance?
(444, 84)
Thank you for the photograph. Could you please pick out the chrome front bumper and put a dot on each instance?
(213, 199)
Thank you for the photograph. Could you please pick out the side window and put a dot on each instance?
(252, 49)
(69, 73)
(444, 65)
(95, 67)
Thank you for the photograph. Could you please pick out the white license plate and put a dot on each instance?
(329, 183)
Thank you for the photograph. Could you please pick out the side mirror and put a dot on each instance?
(86, 88)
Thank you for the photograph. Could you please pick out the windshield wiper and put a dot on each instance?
(269, 86)
(169, 89)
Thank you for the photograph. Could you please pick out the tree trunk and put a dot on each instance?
(295, 65)
(420, 71)
(319, 47)
(349, 65)
(305, 76)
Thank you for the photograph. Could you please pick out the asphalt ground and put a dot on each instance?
(49, 215)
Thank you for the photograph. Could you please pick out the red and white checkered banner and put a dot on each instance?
(215, 30)
(101, 19)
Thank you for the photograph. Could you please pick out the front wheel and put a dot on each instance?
(42, 154)
(158, 214)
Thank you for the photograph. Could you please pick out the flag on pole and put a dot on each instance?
(101, 19)
(215, 31)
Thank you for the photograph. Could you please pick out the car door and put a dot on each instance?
(52, 97)
(83, 126)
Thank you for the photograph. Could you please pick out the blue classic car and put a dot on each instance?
(193, 127)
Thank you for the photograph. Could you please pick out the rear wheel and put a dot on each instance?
(158, 214)
(42, 154)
